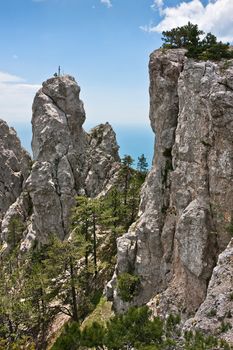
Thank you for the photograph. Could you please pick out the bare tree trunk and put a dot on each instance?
(73, 291)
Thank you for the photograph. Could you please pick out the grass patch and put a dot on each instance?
(102, 313)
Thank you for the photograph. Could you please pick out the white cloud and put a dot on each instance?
(215, 17)
(16, 98)
(158, 4)
(9, 78)
(106, 2)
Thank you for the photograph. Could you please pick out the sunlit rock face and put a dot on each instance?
(15, 165)
(187, 200)
(215, 313)
(67, 161)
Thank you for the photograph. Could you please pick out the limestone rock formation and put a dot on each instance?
(187, 200)
(67, 161)
(15, 165)
(215, 314)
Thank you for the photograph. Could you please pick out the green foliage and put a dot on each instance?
(230, 229)
(93, 335)
(125, 174)
(165, 172)
(129, 185)
(128, 286)
(188, 37)
(198, 341)
(172, 323)
(24, 300)
(92, 216)
(15, 232)
(24, 343)
(136, 329)
(212, 313)
(67, 276)
(142, 166)
(102, 313)
(40, 284)
(132, 329)
(225, 327)
(70, 338)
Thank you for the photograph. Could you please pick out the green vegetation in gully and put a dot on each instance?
(65, 276)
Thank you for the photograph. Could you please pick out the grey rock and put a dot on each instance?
(15, 164)
(215, 312)
(102, 159)
(187, 200)
(67, 160)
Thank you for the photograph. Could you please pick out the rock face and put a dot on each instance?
(67, 160)
(187, 200)
(15, 165)
(215, 314)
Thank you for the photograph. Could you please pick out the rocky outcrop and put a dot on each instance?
(67, 161)
(187, 200)
(15, 165)
(215, 314)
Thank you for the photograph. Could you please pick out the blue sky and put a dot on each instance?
(105, 45)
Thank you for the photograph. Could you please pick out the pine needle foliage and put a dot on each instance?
(189, 37)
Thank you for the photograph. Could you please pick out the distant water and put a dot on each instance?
(133, 140)
(24, 133)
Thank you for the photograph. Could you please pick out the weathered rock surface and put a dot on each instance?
(15, 165)
(67, 160)
(187, 200)
(215, 314)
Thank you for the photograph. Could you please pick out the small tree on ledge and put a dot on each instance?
(188, 37)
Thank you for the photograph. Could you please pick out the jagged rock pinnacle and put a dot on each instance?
(67, 160)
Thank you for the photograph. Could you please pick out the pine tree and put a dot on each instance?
(125, 174)
(182, 37)
(15, 232)
(85, 219)
(142, 165)
(188, 37)
(61, 268)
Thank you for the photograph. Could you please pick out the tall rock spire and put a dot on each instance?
(67, 160)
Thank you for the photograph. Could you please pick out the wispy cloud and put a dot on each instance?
(106, 3)
(216, 17)
(9, 78)
(158, 5)
(16, 98)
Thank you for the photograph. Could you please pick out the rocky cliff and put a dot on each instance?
(15, 165)
(186, 212)
(67, 162)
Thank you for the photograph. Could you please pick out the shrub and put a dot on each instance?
(134, 329)
(225, 327)
(212, 313)
(128, 286)
(70, 339)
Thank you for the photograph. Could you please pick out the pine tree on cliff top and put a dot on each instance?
(188, 37)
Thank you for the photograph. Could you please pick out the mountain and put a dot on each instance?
(178, 246)
(67, 162)
(177, 257)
